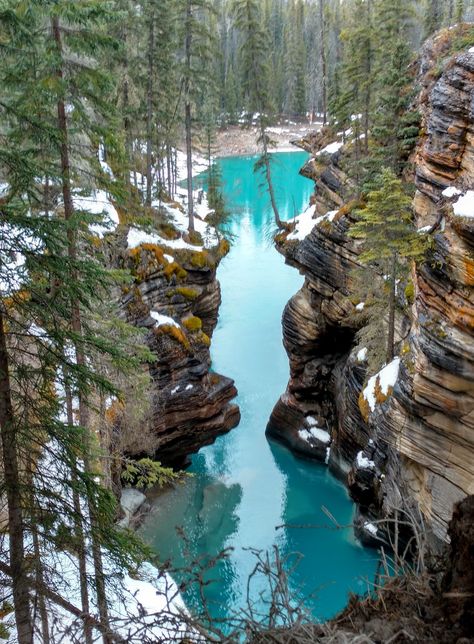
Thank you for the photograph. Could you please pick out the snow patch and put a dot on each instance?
(386, 378)
(360, 307)
(370, 527)
(98, 203)
(332, 148)
(136, 237)
(305, 223)
(451, 191)
(314, 432)
(464, 206)
(363, 462)
(424, 230)
(362, 355)
(163, 320)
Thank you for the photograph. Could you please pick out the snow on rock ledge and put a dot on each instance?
(382, 382)
(305, 223)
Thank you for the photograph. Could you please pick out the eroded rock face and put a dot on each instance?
(417, 445)
(430, 419)
(190, 405)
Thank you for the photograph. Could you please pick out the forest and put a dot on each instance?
(106, 109)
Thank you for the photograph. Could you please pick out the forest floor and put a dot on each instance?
(236, 140)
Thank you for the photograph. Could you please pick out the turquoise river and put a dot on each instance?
(243, 487)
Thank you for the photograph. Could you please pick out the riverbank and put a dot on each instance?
(236, 140)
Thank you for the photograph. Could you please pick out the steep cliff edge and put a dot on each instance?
(174, 297)
(415, 438)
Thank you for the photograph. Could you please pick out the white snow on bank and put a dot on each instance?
(201, 211)
(332, 148)
(314, 432)
(98, 203)
(305, 223)
(471, 50)
(370, 528)
(386, 378)
(137, 237)
(424, 230)
(163, 320)
(451, 191)
(363, 462)
(464, 206)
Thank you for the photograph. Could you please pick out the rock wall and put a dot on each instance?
(417, 445)
(175, 299)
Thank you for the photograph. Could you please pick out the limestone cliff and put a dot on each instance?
(418, 440)
(175, 298)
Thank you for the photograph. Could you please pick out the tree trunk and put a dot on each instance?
(149, 111)
(368, 84)
(268, 176)
(188, 119)
(11, 473)
(324, 80)
(391, 310)
(79, 529)
(39, 572)
(76, 325)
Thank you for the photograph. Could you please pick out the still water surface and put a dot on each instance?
(244, 487)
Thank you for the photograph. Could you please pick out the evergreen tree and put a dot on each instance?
(433, 17)
(389, 240)
(395, 128)
(254, 54)
(198, 44)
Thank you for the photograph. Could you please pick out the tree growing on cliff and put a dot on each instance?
(396, 127)
(254, 55)
(389, 243)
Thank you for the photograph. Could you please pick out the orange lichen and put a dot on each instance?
(364, 407)
(174, 332)
(193, 323)
(187, 292)
(175, 269)
(114, 412)
(224, 248)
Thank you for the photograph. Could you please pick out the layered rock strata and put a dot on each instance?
(415, 444)
(175, 299)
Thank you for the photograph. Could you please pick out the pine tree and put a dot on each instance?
(433, 17)
(198, 43)
(395, 128)
(389, 240)
(254, 54)
(54, 285)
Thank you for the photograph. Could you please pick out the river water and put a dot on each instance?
(244, 488)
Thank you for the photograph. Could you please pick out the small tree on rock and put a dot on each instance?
(389, 240)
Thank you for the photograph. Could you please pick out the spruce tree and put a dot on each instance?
(389, 240)
(395, 127)
(254, 55)
(198, 41)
